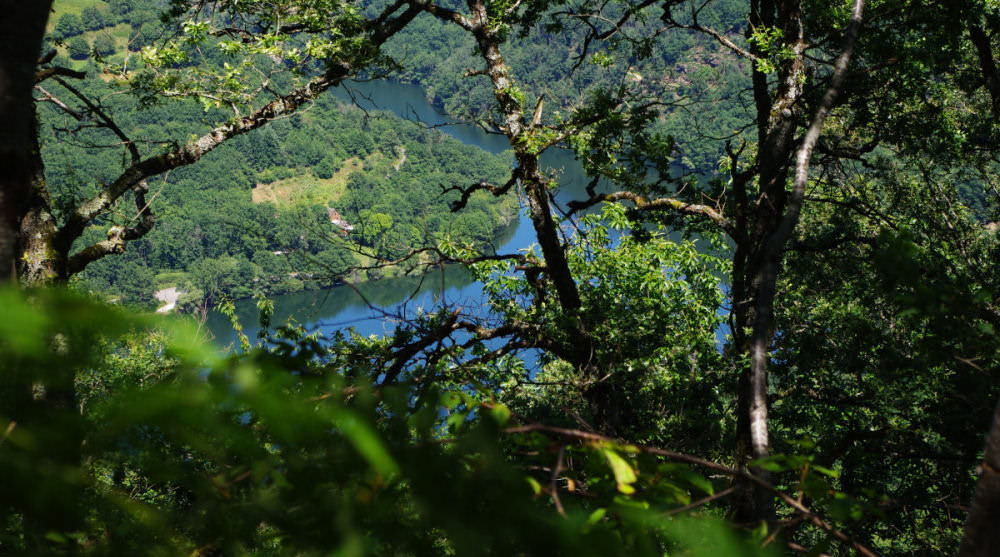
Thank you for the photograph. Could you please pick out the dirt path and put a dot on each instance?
(402, 159)
(168, 295)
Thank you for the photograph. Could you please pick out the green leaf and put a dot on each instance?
(689, 476)
(536, 487)
(366, 441)
(622, 470)
(776, 463)
(500, 413)
(596, 516)
(827, 471)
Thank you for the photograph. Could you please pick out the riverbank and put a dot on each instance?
(179, 291)
(366, 309)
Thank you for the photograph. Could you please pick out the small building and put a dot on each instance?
(338, 221)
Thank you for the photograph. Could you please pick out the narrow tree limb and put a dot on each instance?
(49, 97)
(717, 36)
(191, 152)
(660, 204)
(466, 192)
(46, 73)
(987, 64)
(710, 465)
(445, 14)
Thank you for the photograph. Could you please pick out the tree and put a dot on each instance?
(760, 224)
(79, 48)
(120, 7)
(92, 19)
(863, 310)
(69, 25)
(46, 252)
(104, 45)
(326, 167)
(760, 205)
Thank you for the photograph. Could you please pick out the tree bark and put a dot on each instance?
(777, 214)
(39, 259)
(21, 30)
(987, 64)
(982, 537)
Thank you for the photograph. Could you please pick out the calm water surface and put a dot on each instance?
(341, 307)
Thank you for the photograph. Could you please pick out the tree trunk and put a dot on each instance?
(758, 257)
(21, 30)
(982, 537)
(41, 260)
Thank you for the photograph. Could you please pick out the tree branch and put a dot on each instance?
(189, 153)
(987, 64)
(49, 97)
(46, 73)
(445, 14)
(708, 464)
(660, 204)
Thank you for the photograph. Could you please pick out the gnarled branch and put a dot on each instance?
(660, 204)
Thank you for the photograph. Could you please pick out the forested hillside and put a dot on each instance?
(253, 217)
(552, 61)
(763, 322)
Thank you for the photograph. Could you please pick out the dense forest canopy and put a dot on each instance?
(767, 326)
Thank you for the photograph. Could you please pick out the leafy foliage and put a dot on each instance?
(468, 434)
(286, 451)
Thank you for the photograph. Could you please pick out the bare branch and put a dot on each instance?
(46, 73)
(660, 204)
(719, 37)
(467, 192)
(52, 99)
(445, 14)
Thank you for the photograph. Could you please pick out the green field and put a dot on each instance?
(61, 7)
(170, 278)
(120, 33)
(308, 189)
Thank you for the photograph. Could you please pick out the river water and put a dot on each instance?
(366, 307)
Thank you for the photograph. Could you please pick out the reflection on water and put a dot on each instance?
(340, 307)
(371, 307)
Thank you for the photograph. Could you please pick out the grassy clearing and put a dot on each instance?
(119, 33)
(307, 189)
(169, 278)
(61, 7)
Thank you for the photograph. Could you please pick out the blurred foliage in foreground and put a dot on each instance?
(123, 434)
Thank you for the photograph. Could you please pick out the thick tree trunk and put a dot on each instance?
(753, 266)
(750, 503)
(21, 30)
(982, 537)
(758, 259)
(40, 260)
